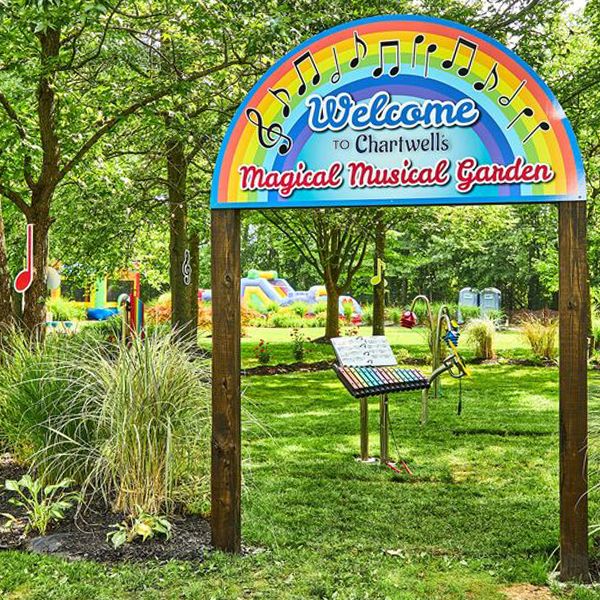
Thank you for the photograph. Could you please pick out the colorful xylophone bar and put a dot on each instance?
(371, 381)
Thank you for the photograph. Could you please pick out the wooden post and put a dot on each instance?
(364, 429)
(573, 307)
(383, 428)
(226, 405)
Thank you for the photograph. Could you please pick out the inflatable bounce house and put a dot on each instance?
(100, 298)
(260, 288)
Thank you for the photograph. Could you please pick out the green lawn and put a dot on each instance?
(509, 344)
(480, 513)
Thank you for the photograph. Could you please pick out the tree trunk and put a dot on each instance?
(195, 276)
(332, 325)
(34, 312)
(6, 303)
(179, 256)
(379, 289)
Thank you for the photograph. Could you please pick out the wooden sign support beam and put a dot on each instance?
(226, 467)
(574, 315)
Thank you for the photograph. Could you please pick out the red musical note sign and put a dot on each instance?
(24, 279)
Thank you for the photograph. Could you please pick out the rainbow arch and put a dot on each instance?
(435, 60)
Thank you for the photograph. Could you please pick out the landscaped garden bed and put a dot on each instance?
(84, 535)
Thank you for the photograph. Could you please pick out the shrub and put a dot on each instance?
(111, 329)
(298, 341)
(319, 321)
(469, 313)
(394, 314)
(420, 310)
(30, 392)
(285, 319)
(495, 315)
(65, 310)
(348, 311)
(595, 319)
(367, 314)
(271, 307)
(319, 308)
(480, 333)
(541, 333)
(596, 330)
(263, 352)
(451, 306)
(159, 311)
(299, 308)
(132, 427)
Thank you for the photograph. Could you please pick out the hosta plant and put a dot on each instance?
(42, 504)
(144, 526)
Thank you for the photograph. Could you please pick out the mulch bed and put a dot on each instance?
(84, 536)
(323, 365)
(297, 367)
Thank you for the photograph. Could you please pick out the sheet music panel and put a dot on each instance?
(372, 351)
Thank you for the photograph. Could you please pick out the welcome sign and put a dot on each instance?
(398, 110)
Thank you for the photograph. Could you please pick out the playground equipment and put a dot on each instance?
(260, 288)
(100, 299)
(131, 310)
(367, 367)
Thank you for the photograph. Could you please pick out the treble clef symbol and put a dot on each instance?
(269, 136)
(186, 268)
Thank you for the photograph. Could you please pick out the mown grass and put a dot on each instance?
(508, 344)
(480, 513)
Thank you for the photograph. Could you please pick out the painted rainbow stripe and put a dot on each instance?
(505, 130)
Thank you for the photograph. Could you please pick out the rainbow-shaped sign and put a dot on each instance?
(398, 110)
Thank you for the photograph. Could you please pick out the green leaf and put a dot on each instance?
(117, 538)
(11, 485)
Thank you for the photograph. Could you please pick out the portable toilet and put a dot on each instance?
(489, 299)
(467, 297)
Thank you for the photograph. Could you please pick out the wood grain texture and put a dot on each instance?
(226, 402)
(574, 314)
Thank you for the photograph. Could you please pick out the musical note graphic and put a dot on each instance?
(283, 96)
(358, 43)
(419, 39)
(471, 46)
(527, 111)
(506, 100)
(395, 45)
(493, 76)
(186, 267)
(316, 77)
(428, 52)
(338, 72)
(544, 126)
(269, 136)
(24, 279)
(376, 279)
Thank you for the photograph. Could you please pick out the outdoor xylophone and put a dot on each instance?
(372, 381)
(367, 367)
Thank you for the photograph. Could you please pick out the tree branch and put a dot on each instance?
(12, 115)
(111, 123)
(15, 198)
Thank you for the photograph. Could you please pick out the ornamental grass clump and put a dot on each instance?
(480, 333)
(131, 426)
(541, 333)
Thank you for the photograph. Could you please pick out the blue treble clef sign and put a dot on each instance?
(269, 136)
